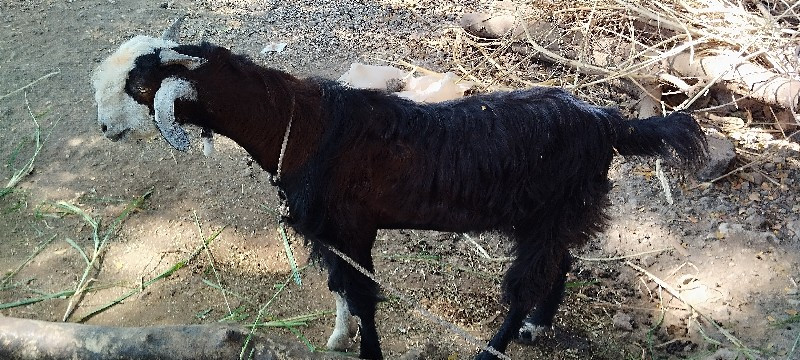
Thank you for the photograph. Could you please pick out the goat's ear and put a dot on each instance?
(172, 57)
(173, 32)
(164, 105)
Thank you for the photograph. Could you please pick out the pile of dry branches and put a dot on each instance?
(711, 55)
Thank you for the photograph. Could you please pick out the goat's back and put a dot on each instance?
(495, 161)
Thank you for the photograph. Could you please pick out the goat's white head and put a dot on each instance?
(129, 103)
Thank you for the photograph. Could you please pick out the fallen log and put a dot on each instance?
(22, 339)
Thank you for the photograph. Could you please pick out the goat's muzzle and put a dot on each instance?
(113, 136)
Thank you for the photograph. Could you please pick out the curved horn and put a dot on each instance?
(172, 57)
(164, 105)
(173, 32)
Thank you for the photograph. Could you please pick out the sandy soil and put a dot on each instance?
(729, 250)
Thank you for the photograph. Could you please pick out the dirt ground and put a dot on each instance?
(729, 250)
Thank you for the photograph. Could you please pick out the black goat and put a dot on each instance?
(531, 164)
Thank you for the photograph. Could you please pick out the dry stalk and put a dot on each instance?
(663, 285)
(633, 70)
(660, 20)
(490, 59)
(30, 84)
(573, 64)
(413, 67)
(624, 257)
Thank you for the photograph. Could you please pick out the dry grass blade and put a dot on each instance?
(79, 250)
(263, 309)
(29, 84)
(226, 291)
(287, 246)
(166, 273)
(299, 320)
(99, 244)
(634, 70)
(211, 260)
(10, 275)
(139, 289)
(624, 257)
(794, 347)
(748, 352)
(58, 295)
(27, 168)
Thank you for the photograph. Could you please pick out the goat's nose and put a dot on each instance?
(103, 127)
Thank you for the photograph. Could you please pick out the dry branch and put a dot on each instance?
(729, 49)
(22, 339)
(742, 77)
(676, 294)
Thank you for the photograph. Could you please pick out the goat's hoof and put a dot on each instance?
(529, 332)
(340, 341)
(485, 355)
(343, 338)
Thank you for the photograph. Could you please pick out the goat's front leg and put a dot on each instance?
(361, 295)
(346, 327)
(357, 289)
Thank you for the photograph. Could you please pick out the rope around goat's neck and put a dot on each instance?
(285, 141)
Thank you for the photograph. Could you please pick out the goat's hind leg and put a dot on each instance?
(542, 317)
(516, 313)
(533, 278)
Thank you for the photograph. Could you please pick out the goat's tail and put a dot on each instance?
(676, 138)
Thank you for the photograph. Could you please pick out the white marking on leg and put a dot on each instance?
(208, 146)
(343, 332)
(528, 332)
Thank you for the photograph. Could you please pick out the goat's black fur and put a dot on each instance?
(531, 164)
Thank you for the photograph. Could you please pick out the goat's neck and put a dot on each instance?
(259, 123)
(252, 105)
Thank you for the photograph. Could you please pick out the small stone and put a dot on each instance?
(794, 228)
(770, 238)
(622, 321)
(723, 354)
(757, 177)
(413, 354)
(756, 221)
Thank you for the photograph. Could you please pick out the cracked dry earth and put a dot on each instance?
(729, 251)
